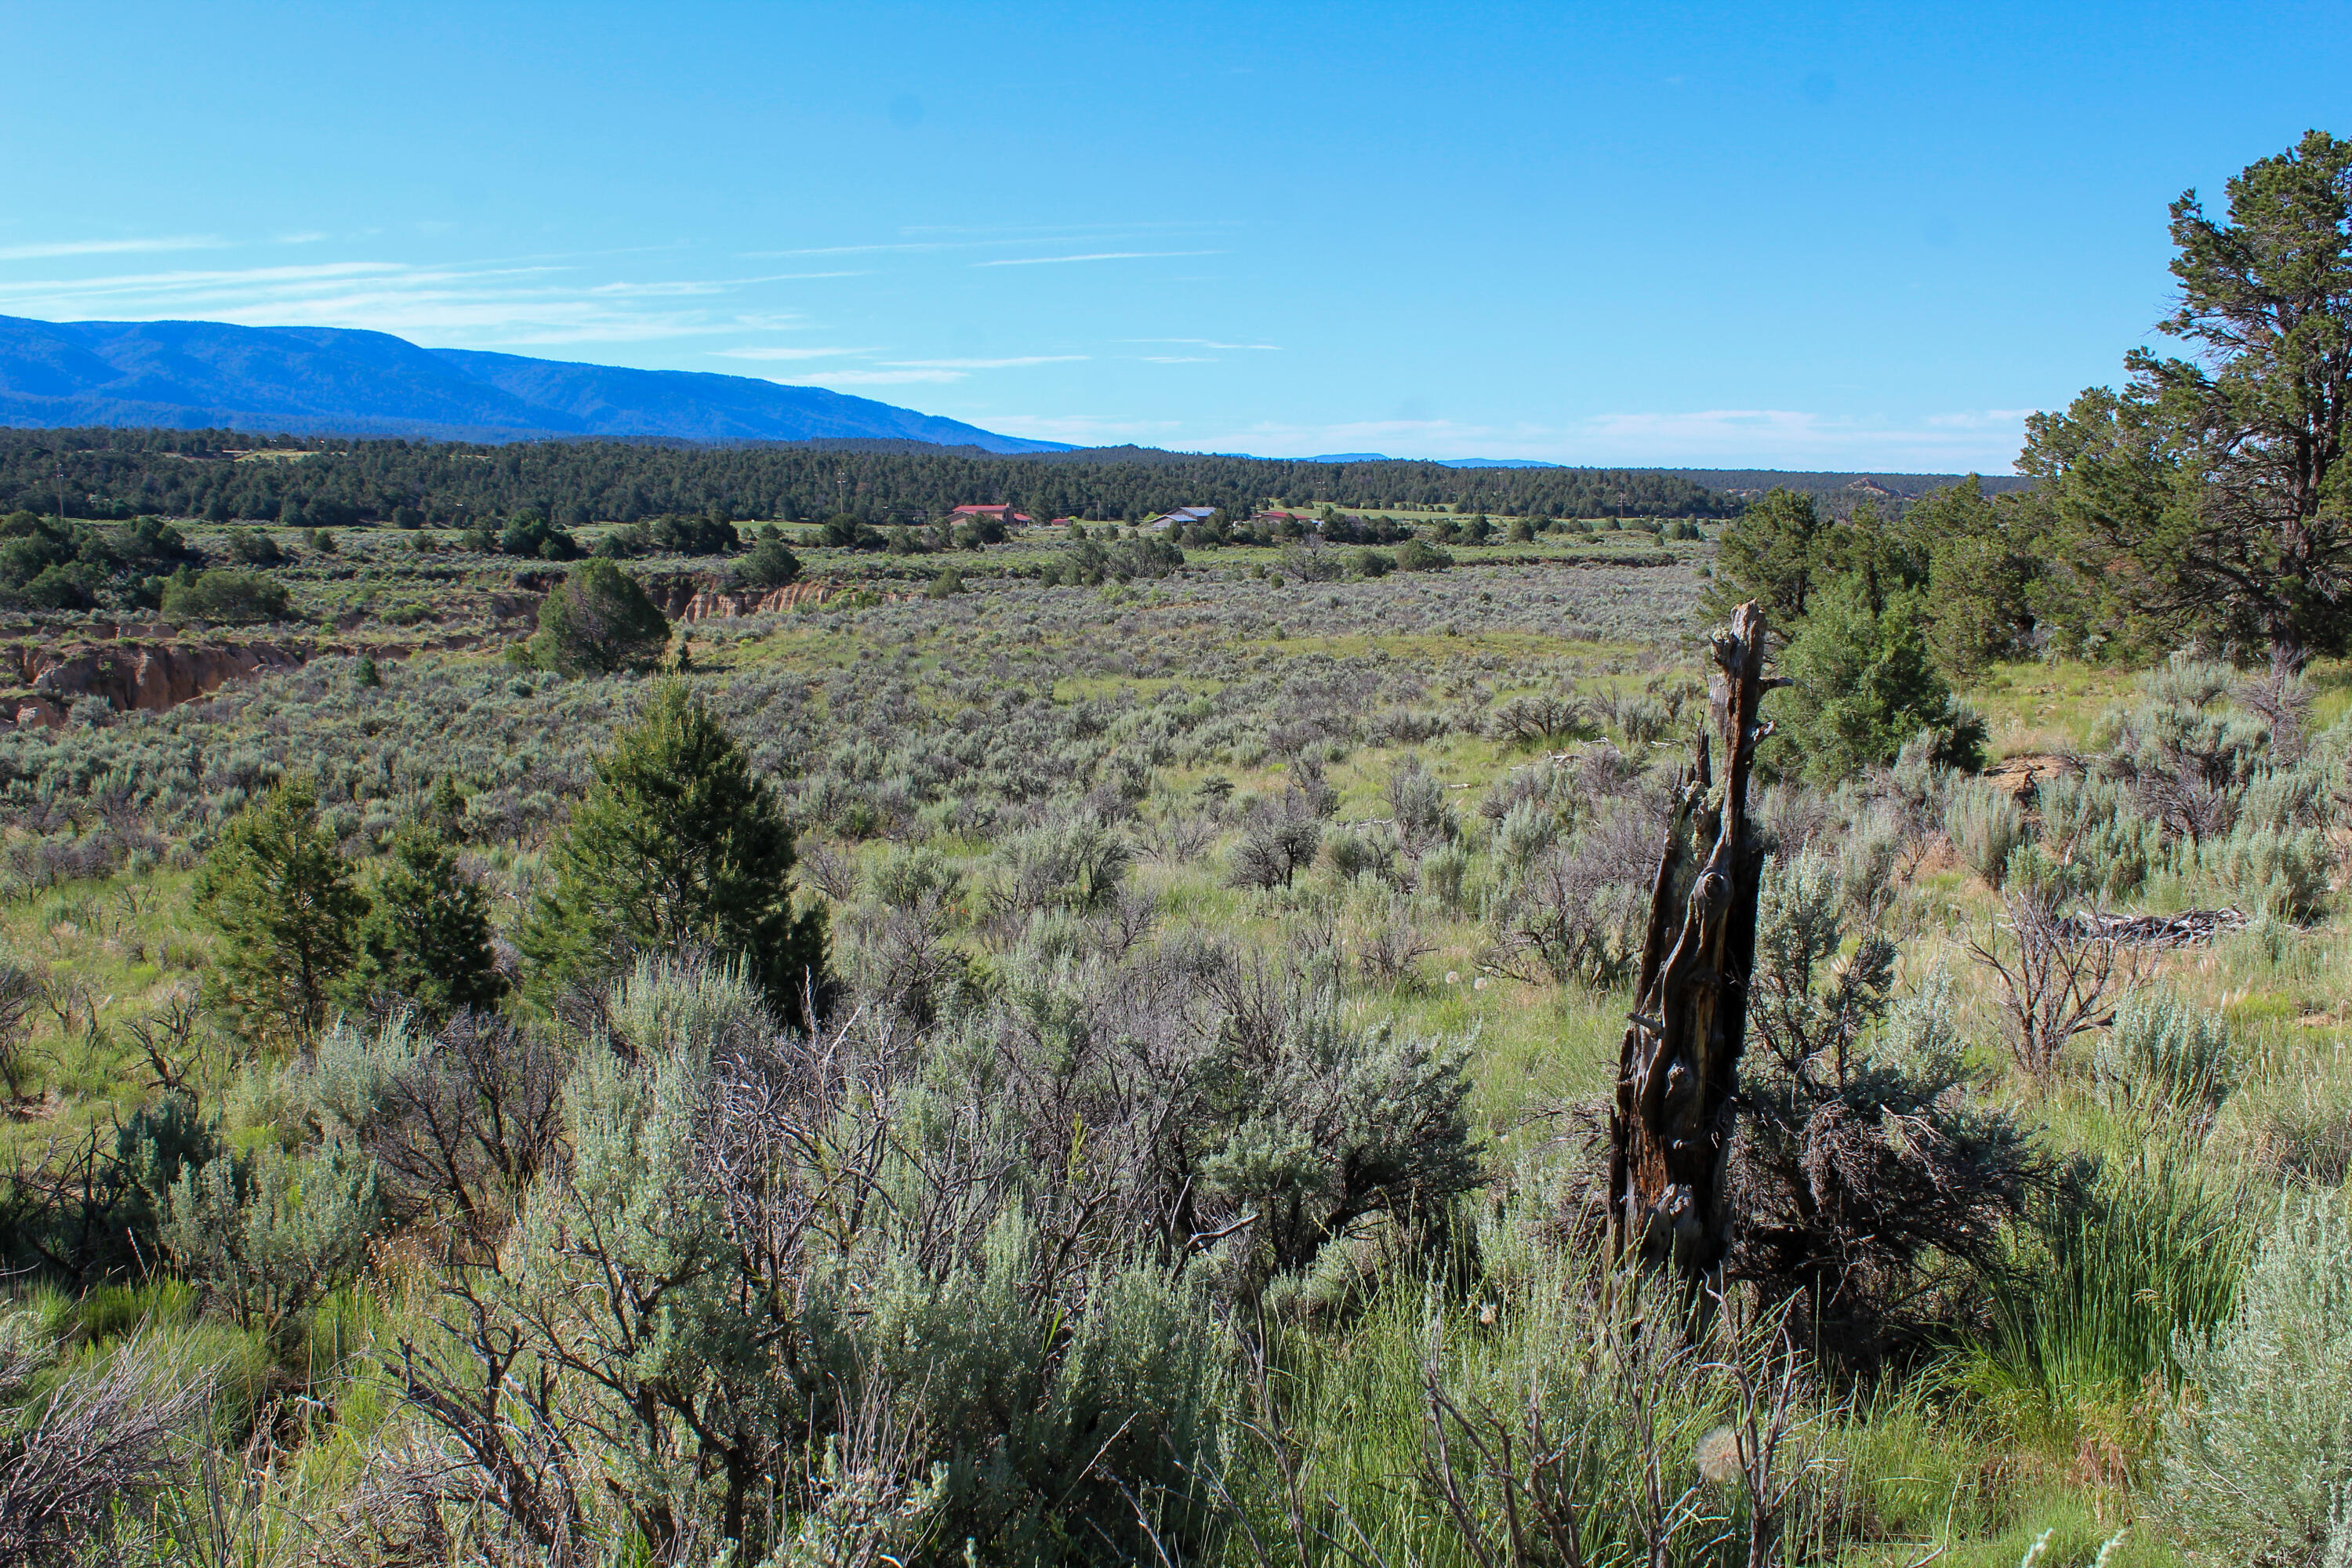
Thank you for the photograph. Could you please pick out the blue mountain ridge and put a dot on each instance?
(334, 380)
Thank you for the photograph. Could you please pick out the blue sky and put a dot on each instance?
(1797, 235)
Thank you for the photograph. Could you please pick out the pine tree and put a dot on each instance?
(280, 895)
(426, 937)
(598, 621)
(676, 844)
(445, 813)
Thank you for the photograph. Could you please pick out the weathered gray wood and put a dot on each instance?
(1678, 1072)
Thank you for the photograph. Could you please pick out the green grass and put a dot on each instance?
(2036, 708)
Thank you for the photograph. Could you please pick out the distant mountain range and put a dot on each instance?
(300, 379)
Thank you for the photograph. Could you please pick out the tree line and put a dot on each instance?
(322, 481)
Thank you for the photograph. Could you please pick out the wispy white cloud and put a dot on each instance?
(1204, 343)
(685, 287)
(1981, 440)
(1986, 440)
(908, 244)
(1091, 256)
(42, 252)
(1983, 419)
(789, 353)
(986, 364)
(461, 305)
(882, 377)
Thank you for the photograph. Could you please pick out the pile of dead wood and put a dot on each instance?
(2183, 930)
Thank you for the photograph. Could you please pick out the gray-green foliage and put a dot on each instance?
(269, 1236)
(2163, 1055)
(459, 1117)
(783, 1292)
(1985, 827)
(1326, 1123)
(1418, 804)
(893, 943)
(2185, 679)
(2283, 871)
(2255, 1462)
(1041, 1407)
(2093, 829)
(1074, 865)
(1868, 858)
(1215, 1095)
(1445, 871)
(1526, 830)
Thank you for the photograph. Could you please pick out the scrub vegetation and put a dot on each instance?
(1098, 1049)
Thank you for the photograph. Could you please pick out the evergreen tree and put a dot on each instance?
(445, 813)
(427, 936)
(280, 895)
(598, 622)
(678, 844)
(1861, 681)
(2210, 492)
(1770, 555)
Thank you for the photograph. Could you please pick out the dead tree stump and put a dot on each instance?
(1678, 1074)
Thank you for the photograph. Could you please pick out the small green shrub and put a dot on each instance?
(226, 597)
(251, 547)
(769, 564)
(266, 1238)
(529, 534)
(1862, 682)
(1415, 555)
(2283, 872)
(2095, 830)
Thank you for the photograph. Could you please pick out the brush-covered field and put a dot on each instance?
(1188, 1152)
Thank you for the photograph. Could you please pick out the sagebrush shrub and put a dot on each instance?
(2254, 1462)
(2283, 872)
(268, 1236)
(2163, 1055)
(1986, 828)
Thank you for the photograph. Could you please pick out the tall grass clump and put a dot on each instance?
(2153, 1253)
(1544, 1416)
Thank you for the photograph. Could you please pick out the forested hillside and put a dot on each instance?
(1884, 487)
(225, 476)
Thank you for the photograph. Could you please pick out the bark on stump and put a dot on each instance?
(1678, 1073)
